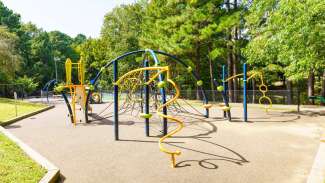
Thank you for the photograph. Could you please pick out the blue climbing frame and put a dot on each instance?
(153, 54)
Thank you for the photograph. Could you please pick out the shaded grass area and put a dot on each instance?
(8, 108)
(15, 165)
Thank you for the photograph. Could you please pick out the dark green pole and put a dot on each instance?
(146, 93)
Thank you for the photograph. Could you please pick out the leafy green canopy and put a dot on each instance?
(23, 45)
(287, 35)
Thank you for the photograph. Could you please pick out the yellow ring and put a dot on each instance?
(267, 98)
(260, 88)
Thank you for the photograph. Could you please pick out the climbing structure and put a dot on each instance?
(264, 100)
(133, 80)
(77, 89)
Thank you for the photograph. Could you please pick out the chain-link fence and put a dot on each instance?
(284, 97)
(277, 96)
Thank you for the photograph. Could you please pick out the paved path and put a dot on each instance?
(278, 147)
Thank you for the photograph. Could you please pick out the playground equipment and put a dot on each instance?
(77, 90)
(131, 81)
(246, 77)
(144, 100)
(46, 87)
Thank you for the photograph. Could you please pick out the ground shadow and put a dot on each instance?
(104, 121)
(310, 113)
(206, 163)
(147, 141)
(12, 126)
(206, 131)
(293, 118)
(62, 178)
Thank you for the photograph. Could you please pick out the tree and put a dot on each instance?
(27, 84)
(9, 19)
(187, 29)
(288, 34)
(9, 58)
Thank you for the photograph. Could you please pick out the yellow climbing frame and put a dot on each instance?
(161, 70)
(262, 87)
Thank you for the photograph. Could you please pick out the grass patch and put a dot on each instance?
(15, 165)
(8, 108)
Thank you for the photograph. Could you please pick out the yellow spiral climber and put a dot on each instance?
(160, 70)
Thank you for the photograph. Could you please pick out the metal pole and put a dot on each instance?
(224, 86)
(116, 127)
(56, 70)
(146, 90)
(298, 98)
(163, 93)
(245, 91)
(207, 113)
(15, 97)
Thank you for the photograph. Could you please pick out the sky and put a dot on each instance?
(69, 16)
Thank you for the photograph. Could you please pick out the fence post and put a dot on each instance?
(245, 92)
(298, 99)
(15, 97)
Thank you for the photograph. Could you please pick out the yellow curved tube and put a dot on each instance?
(170, 101)
(232, 77)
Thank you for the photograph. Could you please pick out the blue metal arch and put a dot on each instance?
(47, 86)
(153, 55)
(152, 52)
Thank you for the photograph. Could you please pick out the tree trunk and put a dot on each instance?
(197, 68)
(235, 60)
(289, 90)
(211, 76)
(230, 73)
(311, 82)
(229, 59)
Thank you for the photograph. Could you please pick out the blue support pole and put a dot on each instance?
(162, 92)
(224, 87)
(146, 91)
(116, 127)
(207, 112)
(245, 91)
(205, 102)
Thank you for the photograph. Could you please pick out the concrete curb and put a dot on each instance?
(5, 123)
(53, 173)
(317, 172)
